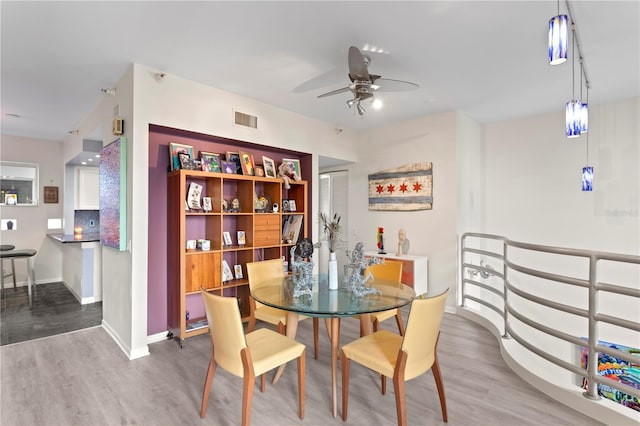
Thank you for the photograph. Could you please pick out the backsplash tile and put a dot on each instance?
(89, 220)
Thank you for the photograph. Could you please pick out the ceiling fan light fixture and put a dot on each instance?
(376, 104)
(360, 108)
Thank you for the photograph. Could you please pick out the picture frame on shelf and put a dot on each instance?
(242, 239)
(259, 171)
(285, 205)
(227, 275)
(194, 196)
(210, 162)
(226, 235)
(247, 164)
(238, 271)
(207, 205)
(175, 149)
(269, 167)
(294, 166)
(229, 167)
(185, 161)
(292, 205)
(234, 157)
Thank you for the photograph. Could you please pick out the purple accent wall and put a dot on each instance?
(159, 138)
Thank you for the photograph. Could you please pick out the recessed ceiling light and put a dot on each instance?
(97, 155)
(90, 159)
(84, 163)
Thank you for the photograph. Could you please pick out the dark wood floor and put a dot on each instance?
(55, 311)
(83, 378)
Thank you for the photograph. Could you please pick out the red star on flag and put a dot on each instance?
(391, 188)
(417, 186)
(403, 188)
(379, 189)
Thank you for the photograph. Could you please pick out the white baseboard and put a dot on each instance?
(158, 337)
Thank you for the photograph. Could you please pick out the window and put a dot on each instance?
(18, 183)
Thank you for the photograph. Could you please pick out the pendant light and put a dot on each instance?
(574, 107)
(558, 37)
(584, 106)
(587, 171)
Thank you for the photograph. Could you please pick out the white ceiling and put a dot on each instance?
(485, 59)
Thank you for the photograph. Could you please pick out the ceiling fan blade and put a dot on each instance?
(335, 92)
(390, 85)
(357, 65)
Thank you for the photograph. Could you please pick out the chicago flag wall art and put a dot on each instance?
(408, 187)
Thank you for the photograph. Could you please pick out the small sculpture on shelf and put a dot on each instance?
(302, 267)
(354, 276)
(403, 242)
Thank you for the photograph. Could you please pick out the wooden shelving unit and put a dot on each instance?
(188, 270)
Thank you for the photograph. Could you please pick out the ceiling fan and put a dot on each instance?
(363, 84)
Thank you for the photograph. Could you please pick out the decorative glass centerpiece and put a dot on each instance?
(302, 267)
(355, 277)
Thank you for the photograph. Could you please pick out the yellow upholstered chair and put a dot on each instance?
(389, 270)
(402, 358)
(266, 270)
(246, 356)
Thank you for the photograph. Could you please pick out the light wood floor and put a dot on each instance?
(82, 378)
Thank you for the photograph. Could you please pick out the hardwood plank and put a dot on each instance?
(83, 378)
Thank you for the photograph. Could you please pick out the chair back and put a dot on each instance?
(258, 272)
(227, 333)
(389, 270)
(421, 334)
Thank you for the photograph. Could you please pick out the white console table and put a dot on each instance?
(414, 270)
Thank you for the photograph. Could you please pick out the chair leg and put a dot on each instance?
(301, 378)
(315, 337)
(262, 382)
(376, 325)
(346, 364)
(399, 389)
(249, 382)
(13, 272)
(207, 387)
(383, 384)
(440, 385)
(400, 322)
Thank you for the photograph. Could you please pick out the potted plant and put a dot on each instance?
(332, 231)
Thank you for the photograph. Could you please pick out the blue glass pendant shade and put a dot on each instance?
(558, 39)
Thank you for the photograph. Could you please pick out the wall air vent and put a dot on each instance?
(246, 120)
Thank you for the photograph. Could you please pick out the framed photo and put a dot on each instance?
(51, 194)
(227, 238)
(227, 275)
(285, 205)
(259, 171)
(238, 270)
(174, 150)
(292, 205)
(248, 166)
(206, 204)
(241, 238)
(269, 167)
(11, 199)
(210, 162)
(185, 161)
(234, 157)
(294, 165)
(193, 196)
(229, 167)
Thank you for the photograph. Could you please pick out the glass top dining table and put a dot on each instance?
(332, 305)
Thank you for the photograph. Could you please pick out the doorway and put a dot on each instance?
(333, 199)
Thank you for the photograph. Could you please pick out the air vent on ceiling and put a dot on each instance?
(246, 120)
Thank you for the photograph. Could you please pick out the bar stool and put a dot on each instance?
(31, 275)
(7, 247)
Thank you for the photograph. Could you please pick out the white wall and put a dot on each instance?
(32, 221)
(432, 233)
(533, 176)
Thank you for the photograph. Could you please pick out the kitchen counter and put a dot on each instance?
(71, 238)
(82, 265)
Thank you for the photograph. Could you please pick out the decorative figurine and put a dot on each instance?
(356, 267)
(403, 242)
(302, 269)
